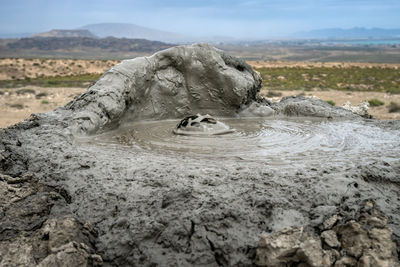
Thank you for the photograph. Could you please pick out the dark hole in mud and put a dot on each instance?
(185, 121)
(45, 236)
(209, 120)
(240, 68)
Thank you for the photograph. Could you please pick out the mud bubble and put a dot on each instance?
(201, 125)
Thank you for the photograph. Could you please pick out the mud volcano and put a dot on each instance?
(104, 181)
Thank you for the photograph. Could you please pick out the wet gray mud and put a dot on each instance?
(276, 140)
(134, 194)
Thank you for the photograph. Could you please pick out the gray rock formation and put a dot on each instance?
(162, 208)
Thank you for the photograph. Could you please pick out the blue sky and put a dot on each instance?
(246, 18)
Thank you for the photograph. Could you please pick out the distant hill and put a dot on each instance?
(66, 33)
(79, 47)
(353, 33)
(124, 30)
(82, 43)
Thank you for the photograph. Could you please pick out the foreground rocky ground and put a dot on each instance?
(69, 200)
(29, 236)
(363, 239)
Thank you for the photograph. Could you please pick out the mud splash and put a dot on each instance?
(281, 141)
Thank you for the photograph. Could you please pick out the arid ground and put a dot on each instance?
(37, 85)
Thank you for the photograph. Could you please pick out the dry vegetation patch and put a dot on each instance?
(352, 78)
(19, 69)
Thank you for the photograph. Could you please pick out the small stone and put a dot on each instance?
(96, 260)
(330, 238)
(382, 244)
(310, 251)
(273, 248)
(346, 261)
(354, 238)
(371, 259)
(330, 256)
(330, 222)
(373, 218)
(289, 246)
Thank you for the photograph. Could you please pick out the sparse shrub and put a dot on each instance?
(51, 82)
(274, 94)
(17, 106)
(2, 93)
(40, 95)
(25, 91)
(375, 102)
(393, 90)
(330, 102)
(36, 64)
(394, 107)
(45, 102)
(80, 66)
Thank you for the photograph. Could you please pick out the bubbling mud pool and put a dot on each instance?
(279, 141)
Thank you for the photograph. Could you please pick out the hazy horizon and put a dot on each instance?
(239, 19)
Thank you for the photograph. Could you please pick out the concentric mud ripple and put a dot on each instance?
(278, 141)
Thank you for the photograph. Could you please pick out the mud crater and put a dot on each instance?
(280, 141)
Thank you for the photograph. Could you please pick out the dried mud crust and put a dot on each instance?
(30, 235)
(344, 239)
(156, 208)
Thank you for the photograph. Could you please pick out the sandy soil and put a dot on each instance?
(16, 107)
(17, 68)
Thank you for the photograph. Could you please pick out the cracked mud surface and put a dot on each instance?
(153, 203)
